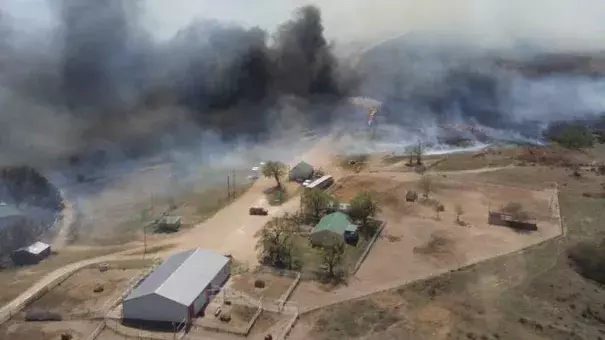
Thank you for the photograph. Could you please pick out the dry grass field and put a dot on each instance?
(533, 294)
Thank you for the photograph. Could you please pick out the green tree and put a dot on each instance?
(363, 206)
(276, 244)
(276, 170)
(332, 255)
(314, 203)
(571, 136)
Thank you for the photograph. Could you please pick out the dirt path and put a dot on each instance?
(68, 215)
(232, 230)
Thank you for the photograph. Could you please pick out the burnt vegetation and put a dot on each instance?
(30, 204)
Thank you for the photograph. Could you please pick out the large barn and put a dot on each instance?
(179, 288)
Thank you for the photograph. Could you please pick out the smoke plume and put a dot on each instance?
(99, 78)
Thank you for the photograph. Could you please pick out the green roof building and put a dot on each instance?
(169, 223)
(336, 226)
(301, 172)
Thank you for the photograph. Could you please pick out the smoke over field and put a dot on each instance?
(94, 76)
(91, 90)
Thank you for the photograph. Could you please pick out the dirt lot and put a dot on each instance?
(18, 330)
(275, 286)
(417, 243)
(534, 294)
(14, 281)
(75, 297)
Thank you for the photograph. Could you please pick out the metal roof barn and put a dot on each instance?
(301, 171)
(179, 288)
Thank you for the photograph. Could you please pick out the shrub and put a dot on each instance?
(42, 315)
(588, 260)
(571, 136)
(259, 283)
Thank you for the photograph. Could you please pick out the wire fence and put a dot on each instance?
(111, 315)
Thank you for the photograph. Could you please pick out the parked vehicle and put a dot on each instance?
(258, 211)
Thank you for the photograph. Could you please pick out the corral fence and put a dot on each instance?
(179, 331)
(36, 295)
(112, 306)
(369, 247)
(219, 326)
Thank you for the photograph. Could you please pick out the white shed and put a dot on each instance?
(179, 288)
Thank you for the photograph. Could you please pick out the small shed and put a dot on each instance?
(31, 254)
(169, 223)
(301, 172)
(335, 226)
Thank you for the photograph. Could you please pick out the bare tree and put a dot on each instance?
(418, 152)
(426, 185)
(277, 170)
(459, 212)
(439, 208)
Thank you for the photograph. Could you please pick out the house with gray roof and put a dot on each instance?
(179, 288)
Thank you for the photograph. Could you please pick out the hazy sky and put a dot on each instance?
(565, 23)
(570, 23)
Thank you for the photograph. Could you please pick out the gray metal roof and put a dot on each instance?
(182, 276)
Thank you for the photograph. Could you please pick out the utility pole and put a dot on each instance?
(144, 221)
(234, 185)
(228, 188)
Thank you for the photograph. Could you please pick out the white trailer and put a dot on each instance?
(321, 183)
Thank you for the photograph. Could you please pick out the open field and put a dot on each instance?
(21, 330)
(418, 243)
(75, 297)
(125, 222)
(15, 281)
(534, 294)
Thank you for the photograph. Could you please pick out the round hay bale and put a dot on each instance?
(98, 288)
(411, 196)
(225, 317)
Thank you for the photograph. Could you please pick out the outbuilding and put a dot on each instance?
(169, 223)
(31, 254)
(179, 288)
(301, 172)
(336, 226)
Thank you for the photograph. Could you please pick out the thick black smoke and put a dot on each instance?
(103, 76)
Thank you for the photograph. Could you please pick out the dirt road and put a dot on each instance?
(232, 230)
